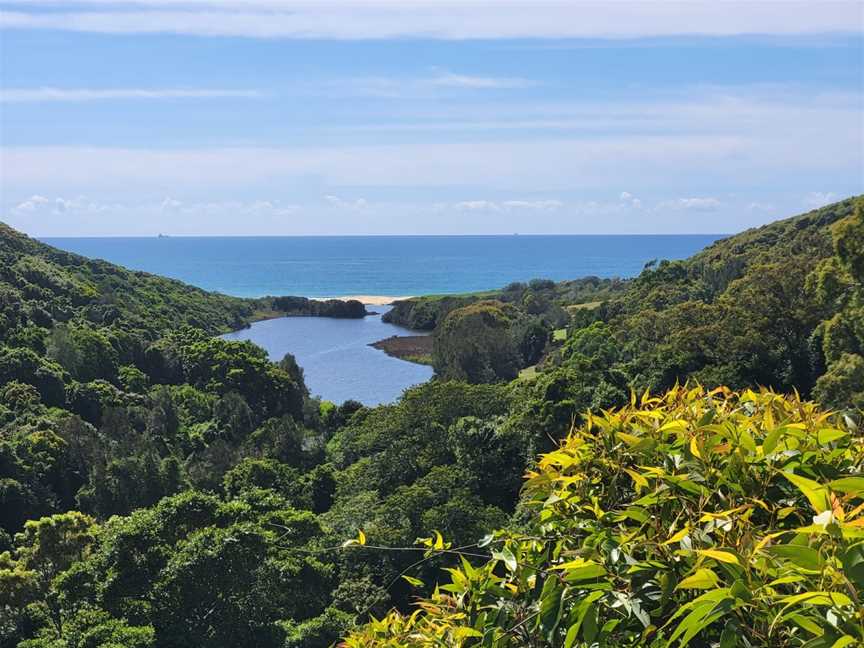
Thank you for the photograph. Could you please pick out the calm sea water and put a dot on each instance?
(381, 265)
(336, 357)
(335, 354)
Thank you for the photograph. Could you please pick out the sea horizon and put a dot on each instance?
(383, 266)
(48, 239)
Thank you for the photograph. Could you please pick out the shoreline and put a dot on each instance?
(367, 300)
(410, 348)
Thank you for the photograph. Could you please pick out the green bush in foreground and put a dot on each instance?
(707, 518)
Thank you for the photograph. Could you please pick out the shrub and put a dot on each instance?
(703, 518)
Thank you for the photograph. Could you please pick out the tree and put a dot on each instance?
(91, 627)
(839, 281)
(289, 365)
(215, 589)
(475, 343)
(44, 550)
(85, 352)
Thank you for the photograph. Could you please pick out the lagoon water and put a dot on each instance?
(336, 357)
(334, 353)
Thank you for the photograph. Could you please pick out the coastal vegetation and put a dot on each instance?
(538, 297)
(413, 348)
(299, 306)
(697, 517)
(163, 487)
(752, 309)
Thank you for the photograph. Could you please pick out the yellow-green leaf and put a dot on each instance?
(849, 485)
(818, 598)
(677, 537)
(416, 582)
(817, 494)
(703, 578)
(694, 448)
(439, 541)
(721, 556)
(638, 479)
(845, 640)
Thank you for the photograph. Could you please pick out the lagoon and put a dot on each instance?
(335, 354)
(336, 357)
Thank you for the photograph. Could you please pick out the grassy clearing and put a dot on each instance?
(424, 359)
(585, 306)
(528, 373)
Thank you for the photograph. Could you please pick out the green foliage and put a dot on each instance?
(44, 285)
(94, 628)
(133, 380)
(486, 342)
(192, 569)
(746, 311)
(168, 488)
(539, 297)
(704, 518)
(321, 632)
(86, 353)
(222, 367)
(27, 366)
(340, 309)
(838, 284)
(43, 551)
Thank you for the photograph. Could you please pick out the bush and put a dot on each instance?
(710, 518)
(475, 343)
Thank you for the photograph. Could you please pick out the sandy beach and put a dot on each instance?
(369, 300)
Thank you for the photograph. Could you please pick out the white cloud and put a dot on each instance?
(502, 206)
(170, 203)
(691, 204)
(544, 205)
(375, 19)
(475, 205)
(630, 200)
(31, 204)
(816, 199)
(723, 134)
(535, 165)
(22, 95)
(420, 86)
(759, 207)
(82, 207)
(451, 80)
(339, 203)
(40, 205)
(47, 215)
(754, 110)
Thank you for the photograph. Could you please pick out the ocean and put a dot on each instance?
(334, 354)
(381, 265)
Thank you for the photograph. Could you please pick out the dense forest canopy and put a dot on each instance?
(162, 487)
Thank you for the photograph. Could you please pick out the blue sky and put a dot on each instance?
(368, 117)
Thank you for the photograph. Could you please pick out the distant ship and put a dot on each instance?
(160, 235)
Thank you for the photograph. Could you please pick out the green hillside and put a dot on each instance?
(41, 285)
(163, 488)
(696, 517)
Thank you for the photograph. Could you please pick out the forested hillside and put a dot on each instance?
(748, 310)
(538, 297)
(161, 487)
(704, 518)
